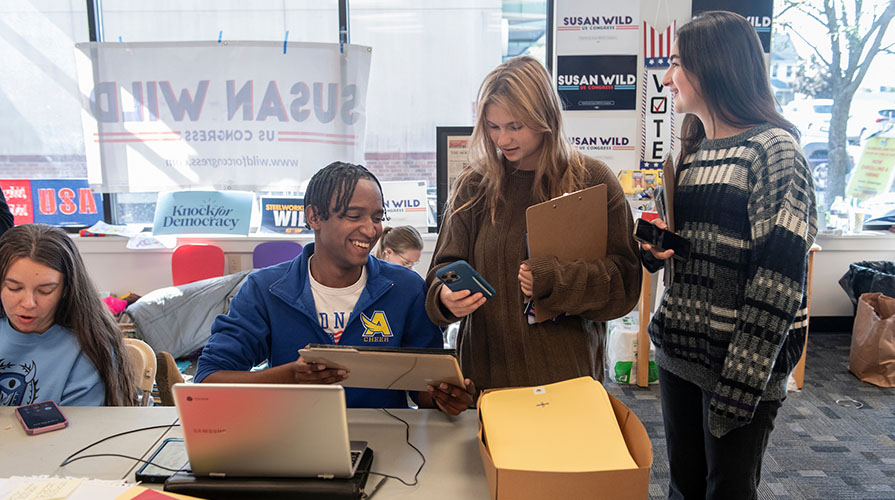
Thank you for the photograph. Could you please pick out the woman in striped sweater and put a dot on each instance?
(731, 325)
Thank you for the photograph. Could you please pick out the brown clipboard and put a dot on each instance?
(669, 178)
(570, 227)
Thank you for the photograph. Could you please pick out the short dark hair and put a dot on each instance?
(338, 178)
(723, 53)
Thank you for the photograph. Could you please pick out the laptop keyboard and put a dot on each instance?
(355, 456)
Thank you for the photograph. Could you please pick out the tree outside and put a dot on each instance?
(853, 33)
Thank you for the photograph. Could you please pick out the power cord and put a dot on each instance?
(71, 458)
(407, 439)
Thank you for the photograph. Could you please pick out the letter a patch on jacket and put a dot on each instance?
(376, 325)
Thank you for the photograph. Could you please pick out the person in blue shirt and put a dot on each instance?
(335, 292)
(58, 341)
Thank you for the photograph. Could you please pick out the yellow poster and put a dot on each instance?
(638, 181)
(873, 174)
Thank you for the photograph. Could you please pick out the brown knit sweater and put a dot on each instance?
(497, 346)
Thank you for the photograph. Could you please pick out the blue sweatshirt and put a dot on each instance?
(47, 366)
(273, 316)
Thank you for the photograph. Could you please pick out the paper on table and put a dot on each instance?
(144, 241)
(52, 489)
(86, 489)
(113, 230)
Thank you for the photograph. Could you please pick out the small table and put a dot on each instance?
(799, 372)
(453, 467)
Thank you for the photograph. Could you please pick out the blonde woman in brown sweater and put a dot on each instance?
(519, 156)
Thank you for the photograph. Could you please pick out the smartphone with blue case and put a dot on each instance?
(461, 276)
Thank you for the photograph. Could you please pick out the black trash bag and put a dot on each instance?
(869, 276)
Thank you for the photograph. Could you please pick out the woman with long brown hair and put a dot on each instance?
(731, 325)
(58, 341)
(519, 156)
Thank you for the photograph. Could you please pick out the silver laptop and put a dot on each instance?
(266, 430)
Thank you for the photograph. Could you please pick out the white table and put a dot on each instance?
(453, 467)
(24, 455)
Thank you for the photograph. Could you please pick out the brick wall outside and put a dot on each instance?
(43, 166)
(402, 166)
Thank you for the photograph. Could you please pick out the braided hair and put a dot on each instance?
(339, 178)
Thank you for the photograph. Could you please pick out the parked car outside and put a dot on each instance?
(867, 117)
(811, 116)
(816, 147)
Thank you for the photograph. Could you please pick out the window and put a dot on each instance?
(41, 135)
(172, 20)
(428, 61)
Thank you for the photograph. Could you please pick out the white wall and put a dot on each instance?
(832, 261)
(118, 270)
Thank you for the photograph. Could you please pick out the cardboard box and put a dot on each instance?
(632, 484)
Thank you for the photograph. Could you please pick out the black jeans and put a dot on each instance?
(702, 466)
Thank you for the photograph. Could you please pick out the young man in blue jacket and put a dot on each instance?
(335, 292)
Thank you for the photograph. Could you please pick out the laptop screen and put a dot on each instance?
(265, 430)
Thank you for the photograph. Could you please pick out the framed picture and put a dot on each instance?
(451, 155)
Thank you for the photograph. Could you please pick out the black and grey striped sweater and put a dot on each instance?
(733, 319)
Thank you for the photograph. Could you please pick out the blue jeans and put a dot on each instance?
(702, 466)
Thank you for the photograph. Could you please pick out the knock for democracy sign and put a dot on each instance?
(203, 212)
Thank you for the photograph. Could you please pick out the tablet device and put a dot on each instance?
(388, 368)
(167, 459)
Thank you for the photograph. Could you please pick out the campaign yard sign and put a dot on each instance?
(58, 202)
(284, 215)
(406, 203)
(18, 197)
(203, 212)
(597, 82)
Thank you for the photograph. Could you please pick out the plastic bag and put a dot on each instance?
(621, 351)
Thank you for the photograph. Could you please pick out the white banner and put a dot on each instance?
(586, 27)
(612, 140)
(406, 204)
(257, 116)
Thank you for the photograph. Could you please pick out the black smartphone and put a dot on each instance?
(41, 417)
(661, 239)
(171, 454)
(460, 275)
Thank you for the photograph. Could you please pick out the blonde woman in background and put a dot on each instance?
(401, 245)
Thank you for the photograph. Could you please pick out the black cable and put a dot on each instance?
(98, 455)
(69, 459)
(407, 438)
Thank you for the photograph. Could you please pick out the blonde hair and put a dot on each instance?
(400, 239)
(522, 87)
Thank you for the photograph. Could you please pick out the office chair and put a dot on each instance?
(143, 361)
(269, 253)
(195, 262)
